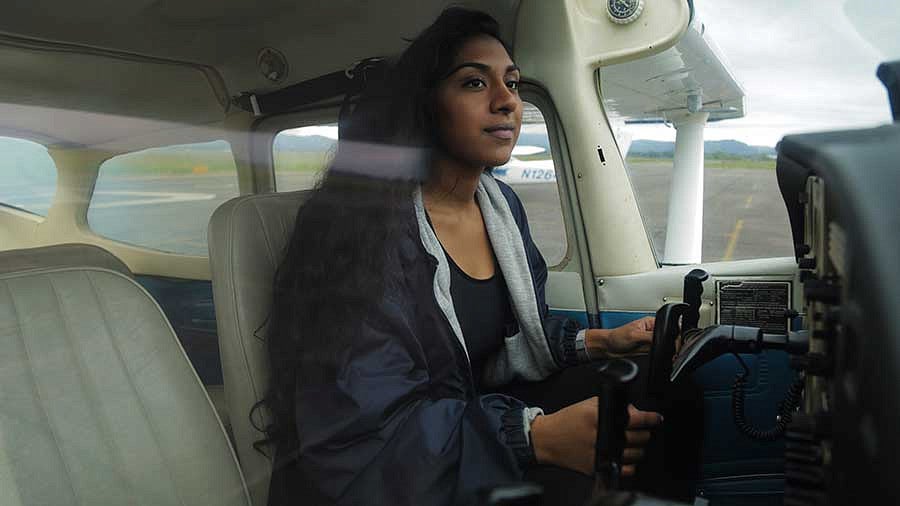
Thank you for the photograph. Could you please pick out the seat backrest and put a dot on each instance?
(98, 402)
(60, 255)
(247, 240)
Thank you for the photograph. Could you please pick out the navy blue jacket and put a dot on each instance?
(404, 422)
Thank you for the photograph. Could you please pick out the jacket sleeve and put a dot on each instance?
(561, 332)
(376, 434)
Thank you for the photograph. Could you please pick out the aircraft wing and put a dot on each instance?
(692, 76)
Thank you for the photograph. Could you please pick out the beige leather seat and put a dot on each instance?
(86, 255)
(98, 402)
(247, 238)
(61, 255)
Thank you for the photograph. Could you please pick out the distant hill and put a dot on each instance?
(727, 148)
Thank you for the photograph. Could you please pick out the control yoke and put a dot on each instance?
(703, 345)
(671, 320)
(700, 345)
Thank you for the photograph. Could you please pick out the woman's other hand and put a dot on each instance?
(567, 438)
(631, 338)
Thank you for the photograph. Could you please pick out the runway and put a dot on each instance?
(744, 216)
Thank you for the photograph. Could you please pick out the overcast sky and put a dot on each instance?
(803, 64)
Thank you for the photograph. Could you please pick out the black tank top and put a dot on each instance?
(485, 316)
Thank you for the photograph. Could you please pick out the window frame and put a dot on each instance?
(575, 232)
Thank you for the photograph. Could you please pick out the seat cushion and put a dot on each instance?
(98, 402)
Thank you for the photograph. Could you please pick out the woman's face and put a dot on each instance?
(477, 106)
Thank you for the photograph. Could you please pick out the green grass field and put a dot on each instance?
(200, 162)
(711, 163)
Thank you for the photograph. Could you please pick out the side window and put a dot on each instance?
(743, 214)
(27, 176)
(300, 154)
(162, 198)
(531, 173)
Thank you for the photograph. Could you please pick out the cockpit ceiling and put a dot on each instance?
(657, 88)
(103, 84)
(67, 97)
(110, 132)
(154, 64)
(316, 37)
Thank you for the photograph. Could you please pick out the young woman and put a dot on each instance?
(411, 290)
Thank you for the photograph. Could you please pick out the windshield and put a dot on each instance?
(803, 66)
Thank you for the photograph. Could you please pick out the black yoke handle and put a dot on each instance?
(693, 297)
(612, 420)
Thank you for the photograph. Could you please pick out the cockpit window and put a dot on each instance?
(300, 155)
(531, 172)
(27, 176)
(162, 198)
(810, 67)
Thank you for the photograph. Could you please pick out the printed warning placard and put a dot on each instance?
(759, 304)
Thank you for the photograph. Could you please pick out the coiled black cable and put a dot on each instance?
(785, 410)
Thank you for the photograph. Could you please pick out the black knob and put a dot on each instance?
(808, 263)
(802, 250)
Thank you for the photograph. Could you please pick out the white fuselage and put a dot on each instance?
(520, 172)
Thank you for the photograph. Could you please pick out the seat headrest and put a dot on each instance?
(61, 255)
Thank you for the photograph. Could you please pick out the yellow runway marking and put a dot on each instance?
(749, 201)
(732, 242)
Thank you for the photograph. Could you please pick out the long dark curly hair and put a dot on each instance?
(333, 270)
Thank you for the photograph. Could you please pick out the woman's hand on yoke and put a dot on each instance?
(633, 337)
(566, 438)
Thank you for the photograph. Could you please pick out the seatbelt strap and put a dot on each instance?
(347, 82)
